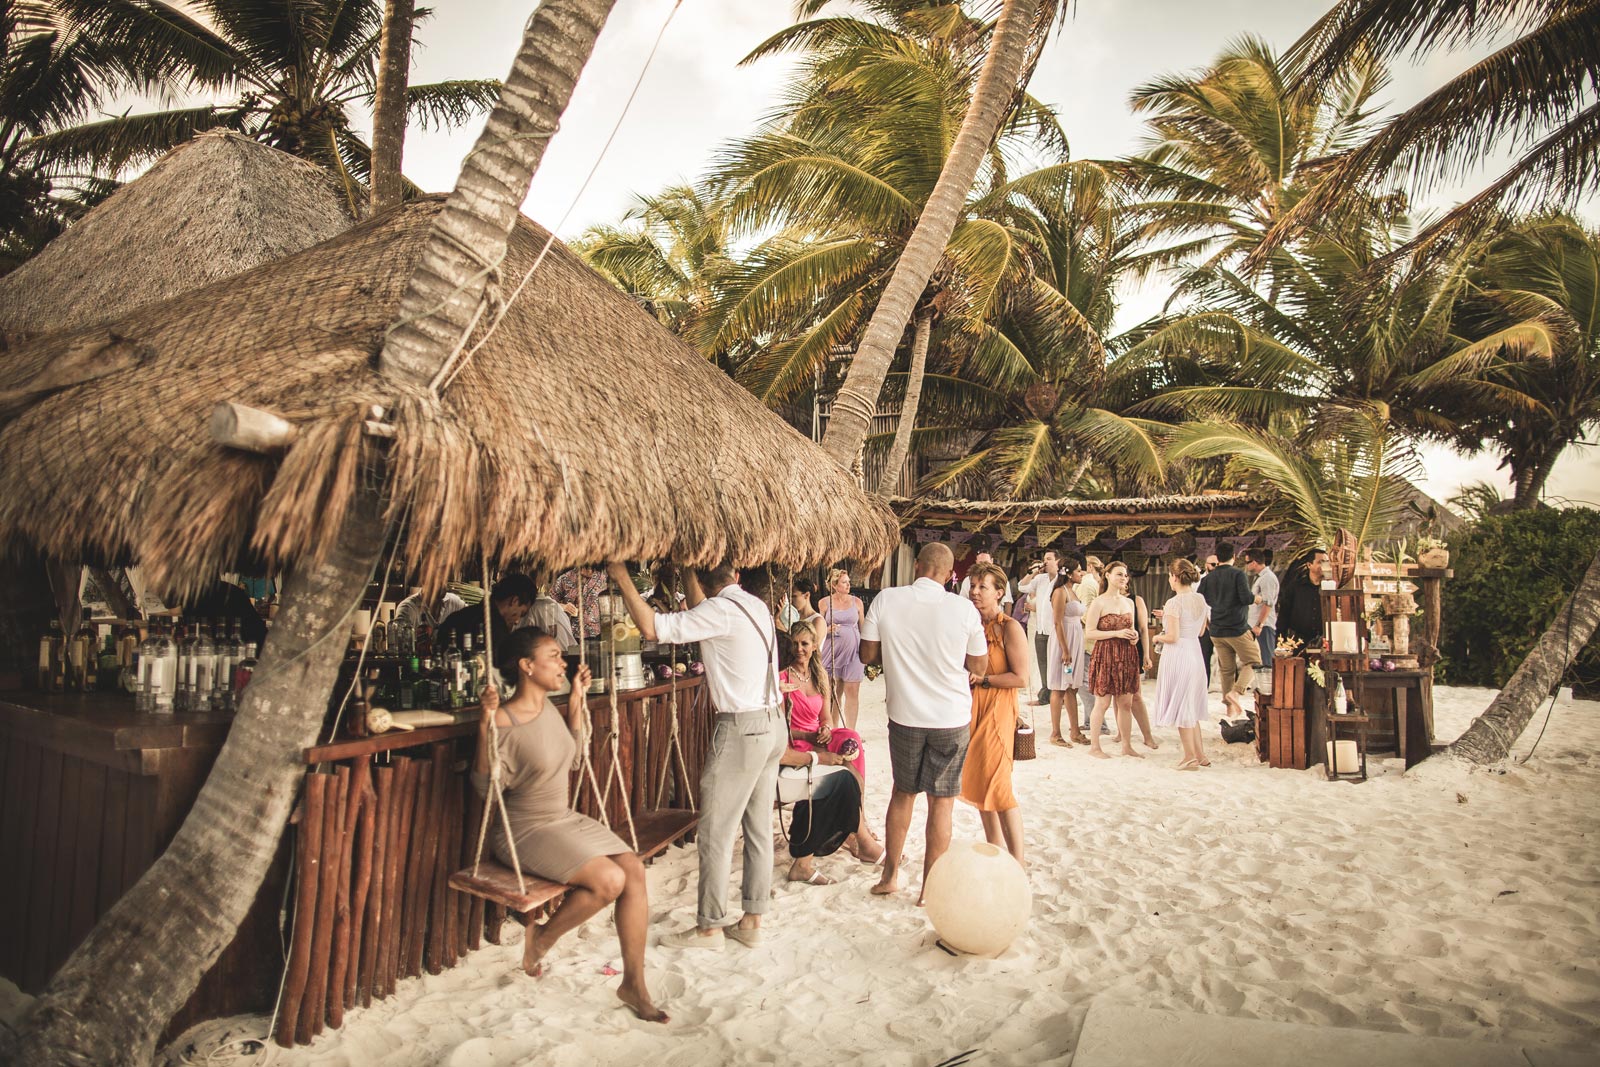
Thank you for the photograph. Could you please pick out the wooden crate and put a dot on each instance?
(1288, 682)
(1286, 738)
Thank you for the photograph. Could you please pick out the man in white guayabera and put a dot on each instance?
(930, 642)
(738, 644)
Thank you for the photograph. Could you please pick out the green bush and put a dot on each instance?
(1513, 573)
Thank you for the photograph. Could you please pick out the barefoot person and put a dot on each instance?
(1114, 663)
(930, 642)
(986, 774)
(738, 644)
(538, 747)
(1181, 686)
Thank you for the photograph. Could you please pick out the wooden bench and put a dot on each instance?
(497, 883)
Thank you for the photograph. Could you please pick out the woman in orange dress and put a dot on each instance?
(986, 774)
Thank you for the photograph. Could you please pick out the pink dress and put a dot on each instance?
(805, 716)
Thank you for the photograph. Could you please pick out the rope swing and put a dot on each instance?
(496, 798)
(614, 774)
(586, 737)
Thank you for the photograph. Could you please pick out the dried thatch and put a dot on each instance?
(582, 430)
(207, 210)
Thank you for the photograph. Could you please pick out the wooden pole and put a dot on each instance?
(417, 878)
(355, 783)
(473, 920)
(452, 901)
(427, 858)
(441, 861)
(363, 881)
(313, 1009)
(371, 934)
(308, 875)
(394, 891)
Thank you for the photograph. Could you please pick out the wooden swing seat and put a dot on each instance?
(497, 883)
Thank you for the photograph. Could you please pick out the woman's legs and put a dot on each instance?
(1141, 715)
(1081, 702)
(633, 926)
(1189, 736)
(1055, 716)
(1125, 724)
(597, 883)
(992, 832)
(850, 706)
(1096, 719)
(1011, 828)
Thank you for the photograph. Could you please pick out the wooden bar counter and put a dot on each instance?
(93, 792)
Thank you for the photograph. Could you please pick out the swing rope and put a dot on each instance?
(586, 768)
(496, 798)
(614, 774)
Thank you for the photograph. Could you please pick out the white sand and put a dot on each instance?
(1448, 902)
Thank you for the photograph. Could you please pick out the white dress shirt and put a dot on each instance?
(927, 633)
(1039, 587)
(548, 616)
(742, 673)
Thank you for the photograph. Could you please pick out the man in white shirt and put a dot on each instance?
(930, 641)
(738, 645)
(548, 616)
(1262, 617)
(1038, 588)
(966, 583)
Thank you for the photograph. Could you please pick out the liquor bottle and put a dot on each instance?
(412, 685)
(182, 646)
(164, 672)
(128, 644)
(203, 668)
(52, 659)
(378, 636)
(402, 636)
(108, 671)
(424, 640)
(243, 672)
(143, 696)
(81, 654)
(455, 675)
(427, 690)
(477, 668)
(229, 651)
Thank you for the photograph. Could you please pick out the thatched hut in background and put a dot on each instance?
(578, 430)
(213, 207)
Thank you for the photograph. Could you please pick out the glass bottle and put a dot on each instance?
(108, 671)
(164, 672)
(378, 636)
(244, 671)
(228, 653)
(81, 657)
(478, 669)
(402, 636)
(203, 668)
(411, 684)
(182, 644)
(455, 675)
(128, 645)
(52, 657)
(143, 695)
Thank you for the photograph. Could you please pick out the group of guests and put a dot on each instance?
(954, 666)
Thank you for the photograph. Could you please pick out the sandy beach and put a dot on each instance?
(1448, 902)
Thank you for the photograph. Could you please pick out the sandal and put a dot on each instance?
(1188, 765)
(817, 878)
(1080, 739)
(1060, 741)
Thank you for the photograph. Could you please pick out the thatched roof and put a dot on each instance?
(582, 431)
(1209, 507)
(207, 210)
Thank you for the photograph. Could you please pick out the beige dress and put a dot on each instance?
(536, 761)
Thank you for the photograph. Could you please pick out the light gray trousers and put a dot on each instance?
(738, 788)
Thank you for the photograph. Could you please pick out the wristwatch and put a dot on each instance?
(984, 681)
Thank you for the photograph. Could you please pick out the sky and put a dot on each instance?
(696, 96)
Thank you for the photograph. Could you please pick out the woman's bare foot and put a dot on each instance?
(1151, 744)
(1127, 750)
(1097, 752)
(533, 951)
(639, 1002)
(887, 886)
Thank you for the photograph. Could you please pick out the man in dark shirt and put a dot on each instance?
(1227, 590)
(511, 598)
(1206, 647)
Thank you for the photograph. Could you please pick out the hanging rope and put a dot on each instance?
(495, 798)
(586, 737)
(615, 772)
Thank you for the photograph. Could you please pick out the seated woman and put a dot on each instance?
(538, 748)
(833, 818)
(811, 717)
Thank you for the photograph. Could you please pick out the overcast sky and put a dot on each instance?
(696, 97)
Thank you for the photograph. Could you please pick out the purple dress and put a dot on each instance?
(841, 652)
(1181, 684)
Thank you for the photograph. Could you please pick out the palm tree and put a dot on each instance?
(389, 104)
(1020, 28)
(1546, 268)
(298, 71)
(670, 252)
(110, 1001)
(1534, 96)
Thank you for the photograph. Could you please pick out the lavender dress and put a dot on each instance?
(1069, 667)
(841, 652)
(1181, 685)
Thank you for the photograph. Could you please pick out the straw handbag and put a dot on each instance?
(1023, 746)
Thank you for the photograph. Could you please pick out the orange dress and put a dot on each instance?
(986, 775)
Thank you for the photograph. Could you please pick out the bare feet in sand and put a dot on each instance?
(1127, 750)
(1151, 744)
(533, 952)
(639, 1002)
(1097, 752)
(887, 886)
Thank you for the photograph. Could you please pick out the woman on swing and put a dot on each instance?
(538, 748)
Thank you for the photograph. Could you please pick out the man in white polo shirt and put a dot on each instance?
(930, 641)
(738, 645)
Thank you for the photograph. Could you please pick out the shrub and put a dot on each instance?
(1513, 573)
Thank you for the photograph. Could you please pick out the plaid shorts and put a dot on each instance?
(928, 761)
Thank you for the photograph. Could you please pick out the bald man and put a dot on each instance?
(930, 642)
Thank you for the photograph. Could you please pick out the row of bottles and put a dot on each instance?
(96, 657)
(196, 667)
(401, 682)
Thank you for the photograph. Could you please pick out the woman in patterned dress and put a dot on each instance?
(1114, 663)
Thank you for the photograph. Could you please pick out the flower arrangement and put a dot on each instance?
(1315, 672)
(1288, 646)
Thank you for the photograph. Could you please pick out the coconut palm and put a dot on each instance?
(1533, 96)
(1019, 29)
(1545, 268)
(111, 1000)
(299, 71)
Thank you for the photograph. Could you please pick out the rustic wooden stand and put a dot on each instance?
(1355, 725)
(1283, 723)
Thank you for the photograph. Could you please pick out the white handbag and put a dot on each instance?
(795, 783)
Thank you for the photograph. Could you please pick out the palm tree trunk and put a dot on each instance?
(389, 104)
(908, 408)
(1491, 735)
(1530, 476)
(443, 298)
(853, 407)
(1077, 474)
(110, 1001)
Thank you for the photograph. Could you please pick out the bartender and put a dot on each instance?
(511, 598)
